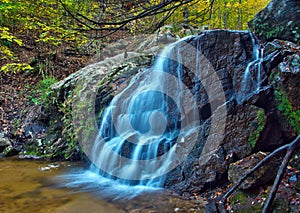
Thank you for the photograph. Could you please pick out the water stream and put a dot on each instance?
(250, 84)
(138, 132)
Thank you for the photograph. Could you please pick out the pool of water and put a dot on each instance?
(42, 186)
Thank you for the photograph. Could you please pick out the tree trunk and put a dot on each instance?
(240, 16)
(225, 16)
(186, 16)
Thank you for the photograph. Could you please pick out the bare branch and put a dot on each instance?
(290, 147)
(280, 173)
(168, 6)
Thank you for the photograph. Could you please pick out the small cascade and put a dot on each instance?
(138, 132)
(252, 78)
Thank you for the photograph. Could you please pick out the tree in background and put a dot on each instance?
(54, 26)
(40, 25)
(221, 14)
(114, 15)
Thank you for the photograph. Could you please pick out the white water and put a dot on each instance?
(138, 132)
(249, 84)
(88, 181)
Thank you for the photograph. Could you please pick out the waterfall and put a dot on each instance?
(249, 84)
(142, 128)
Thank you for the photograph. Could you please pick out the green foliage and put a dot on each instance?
(7, 41)
(286, 108)
(274, 32)
(239, 197)
(261, 122)
(43, 22)
(60, 141)
(43, 94)
(225, 14)
(16, 67)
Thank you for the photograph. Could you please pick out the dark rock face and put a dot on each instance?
(228, 52)
(245, 132)
(280, 19)
(281, 63)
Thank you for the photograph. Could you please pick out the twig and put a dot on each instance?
(291, 147)
(280, 174)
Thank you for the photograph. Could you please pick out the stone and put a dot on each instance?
(209, 160)
(4, 142)
(242, 119)
(280, 19)
(289, 77)
(262, 176)
(281, 59)
(10, 151)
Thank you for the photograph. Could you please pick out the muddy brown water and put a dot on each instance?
(32, 186)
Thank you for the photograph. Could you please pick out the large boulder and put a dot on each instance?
(229, 53)
(257, 118)
(280, 19)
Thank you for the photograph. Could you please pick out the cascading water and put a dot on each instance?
(138, 132)
(250, 85)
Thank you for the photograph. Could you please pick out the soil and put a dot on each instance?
(17, 90)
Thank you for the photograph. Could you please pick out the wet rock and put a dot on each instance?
(10, 151)
(34, 128)
(280, 19)
(262, 176)
(281, 103)
(258, 111)
(216, 148)
(4, 142)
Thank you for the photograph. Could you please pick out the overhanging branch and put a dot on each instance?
(168, 7)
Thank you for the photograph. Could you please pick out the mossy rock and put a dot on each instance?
(280, 19)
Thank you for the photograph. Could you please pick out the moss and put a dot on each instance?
(261, 122)
(286, 108)
(241, 202)
(271, 31)
(42, 94)
(239, 197)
